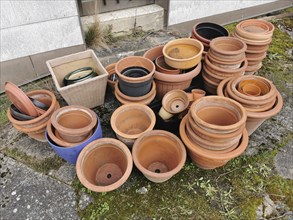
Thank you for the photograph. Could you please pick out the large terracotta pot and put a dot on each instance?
(129, 121)
(208, 159)
(159, 155)
(104, 165)
(74, 123)
(166, 82)
(256, 113)
(36, 127)
(184, 53)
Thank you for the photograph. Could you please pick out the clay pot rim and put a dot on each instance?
(208, 80)
(269, 113)
(205, 40)
(241, 69)
(214, 135)
(211, 154)
(138, 98)
(252, 42)
(235, 82)
(262, 35)
(98, 144)
(154, 50)
(145, 101)
(21, 100)
(256, 57)
(253, 68)
(226, 62)
(218, 76)
(178, 77)
(179, 143)
(214, 42)
(31, 129)
(73, 131)
(110, 69)
(212, 98)
(168, 94)
(138, 79)
(179, 41)
(41, 117)
(128, 107)
(166, 71)
(214, 146)
(258, 51)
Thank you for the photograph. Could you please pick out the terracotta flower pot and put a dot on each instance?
(255, 29)
(36, 127)
(208, 159)
(175, 101)
(255, 117)
(129, 121)
(197, 94)
(225, 64)
(74, 123)
(228, 48)
(112, 78)
(183, 53)
(252, 42)
(165, 82)
(162, 67)
(145, 99)
(104, 165)
(159, 155)
(218, 114)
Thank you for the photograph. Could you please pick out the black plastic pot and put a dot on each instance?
(74, 77)
(135, 89)
(16, 114)
(39, 104)
(210, 31)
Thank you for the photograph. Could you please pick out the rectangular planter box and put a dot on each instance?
(89, 93)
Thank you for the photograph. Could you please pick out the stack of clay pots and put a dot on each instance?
(256, 94)
(225, 58)
(70, 129)
(257, 34)
(177, 63)
(214, 131)
(207, 31)
(135, 80)
(131, 120)
(30, 112)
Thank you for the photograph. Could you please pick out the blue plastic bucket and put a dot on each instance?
(70, 154)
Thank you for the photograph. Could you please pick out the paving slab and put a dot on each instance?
(284, 161)
(26, 194)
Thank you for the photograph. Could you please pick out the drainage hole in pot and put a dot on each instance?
(109, 175)
(177, 106)
(157, 171)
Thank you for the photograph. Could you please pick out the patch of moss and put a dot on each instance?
(4, 105)
(43, 166)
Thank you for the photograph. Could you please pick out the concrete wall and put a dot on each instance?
(186, 10)
(33, 31)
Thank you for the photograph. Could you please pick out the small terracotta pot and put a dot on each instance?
(159, 155)
(166, 82)
(129, 121)
(162, 67)
(74, 123)
(196, 94)
(112, 78)
(208, 159)
(183, 53)
(104, 165)
(175, 101)
(36, 127)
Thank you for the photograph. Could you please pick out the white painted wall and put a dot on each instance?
(30, 27)
(187, 10)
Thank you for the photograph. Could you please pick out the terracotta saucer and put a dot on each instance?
(20, 100)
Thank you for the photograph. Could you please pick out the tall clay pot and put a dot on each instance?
(159, 155)
(104, 165)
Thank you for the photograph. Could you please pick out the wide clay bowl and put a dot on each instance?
(183, 53)
(175, 101)
(74, 123)
(129, 121)
(162, 67)
(207, 159)
(104, 165)
(159, 155)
